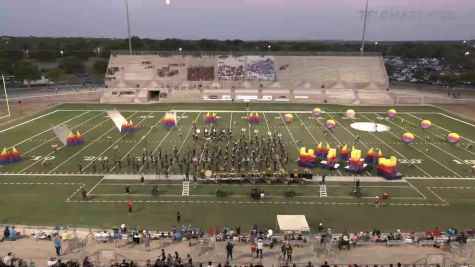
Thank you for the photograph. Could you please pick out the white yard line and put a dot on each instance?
(439, 137)
(88, 145)
(24, 153)
(94, 187)
(115, 142)
(49, 129)
(28, 121)
(163, 139)
(440, 198)
(425, 154)
(417, 190)
(288, 130)
(445, 115)
(338, 141)
(272, 136)
(140, 141)
(397, 152)
(448, 131)
(184, 141)
(34, 163)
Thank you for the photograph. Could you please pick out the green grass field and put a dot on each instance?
(438, 190)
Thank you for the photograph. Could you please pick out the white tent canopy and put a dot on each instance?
(293, 223)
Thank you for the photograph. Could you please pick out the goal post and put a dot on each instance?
(6, 99)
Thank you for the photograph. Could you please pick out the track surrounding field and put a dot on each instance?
(437, 188)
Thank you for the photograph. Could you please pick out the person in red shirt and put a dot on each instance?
(437, 232)
(129, 206)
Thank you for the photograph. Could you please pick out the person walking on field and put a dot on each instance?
(229, 250)
(178, 217)
(57, 246)
(260, 246)
(129, 207)
(146, 241)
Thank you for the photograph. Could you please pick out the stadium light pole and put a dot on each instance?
(364, 28)
(128, 25)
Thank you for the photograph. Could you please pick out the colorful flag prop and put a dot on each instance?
(330, 162)
(453, 138)
(254, 118)
(408, 138)
(127, 127)
(387, 168)
(169, 121)
(330, 124)
(425, 124)
(356, 164)
(373, 155)
(307, 158)
(79, 138)
(73, 140)
(9, 156)
(211, 118)
(391, 113)
(316, 112)
(322, 151)
(345, 153)
(288, 118)
(350, 114)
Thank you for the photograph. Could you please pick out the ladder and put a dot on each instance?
(323, 191)
(186, 189)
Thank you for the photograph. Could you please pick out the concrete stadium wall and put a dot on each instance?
(90, 96)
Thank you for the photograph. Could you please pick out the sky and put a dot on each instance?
(242, 19)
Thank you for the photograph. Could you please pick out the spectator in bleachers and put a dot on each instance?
(51, 262)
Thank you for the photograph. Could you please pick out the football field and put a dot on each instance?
(438, 185)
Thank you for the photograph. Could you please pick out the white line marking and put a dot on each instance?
(115, 142)
(88, 145)
(49, 129)
(397, 152)
(47, 141)
(28, 121)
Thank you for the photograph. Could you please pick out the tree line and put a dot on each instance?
(18, 55)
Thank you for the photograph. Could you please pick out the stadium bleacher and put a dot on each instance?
(179, 76)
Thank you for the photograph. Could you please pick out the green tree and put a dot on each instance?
(468, 76)
(449, 79)
(24, 70)
(6, 66)
(100, 66)
(419, 74)
(55, 75)
(72, 65)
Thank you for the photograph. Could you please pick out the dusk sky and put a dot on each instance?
(242, 19)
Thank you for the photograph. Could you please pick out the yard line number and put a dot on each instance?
(465, 161)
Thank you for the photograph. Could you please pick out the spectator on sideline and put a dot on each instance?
(129, 207)
(57, 245)
(10, 259)
(146, 241)
(6, 233)
(289, 253)
(12, 235)
(260, 246)
(229, 250)
(117, 238)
